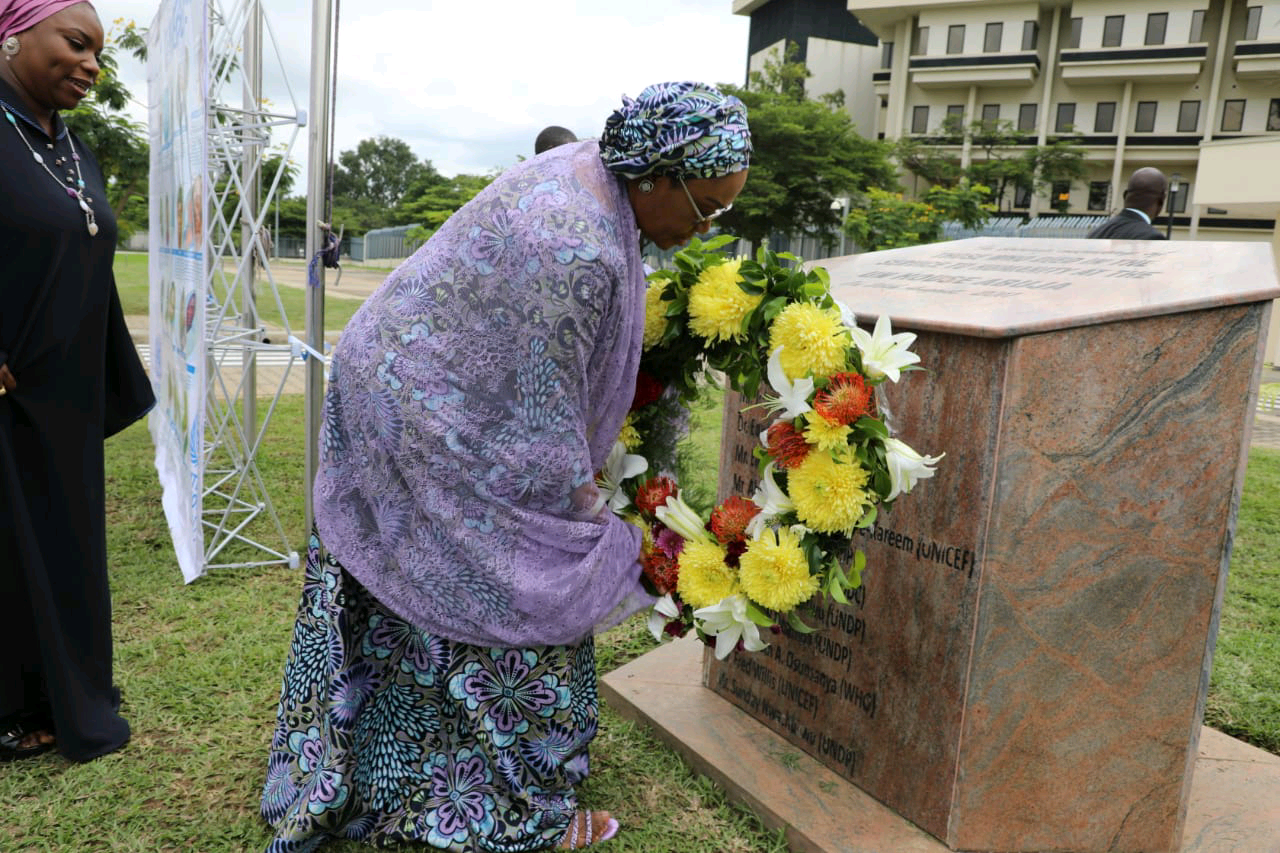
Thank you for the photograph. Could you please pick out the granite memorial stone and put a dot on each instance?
(1025, 665)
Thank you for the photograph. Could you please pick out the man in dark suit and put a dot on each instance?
(1144, 198)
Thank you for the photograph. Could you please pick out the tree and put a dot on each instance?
(806, 155)
(885, 220)
(1000, 159)
(120, 145)
(435, 201)
(379, 171)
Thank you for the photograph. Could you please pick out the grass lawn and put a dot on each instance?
(135, 295)
(200, 667)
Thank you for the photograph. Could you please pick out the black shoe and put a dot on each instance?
(15, 731)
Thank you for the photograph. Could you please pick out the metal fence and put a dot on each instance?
(383, 243)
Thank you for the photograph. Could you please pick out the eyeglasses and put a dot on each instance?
(702, 217)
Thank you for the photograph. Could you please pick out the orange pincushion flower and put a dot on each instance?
(662, 571)
(787, 444)
(654, 493)
(845, 399)
(729, 520)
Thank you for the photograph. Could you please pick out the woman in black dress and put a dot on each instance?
(69, 377)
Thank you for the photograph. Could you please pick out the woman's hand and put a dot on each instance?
(7, 382)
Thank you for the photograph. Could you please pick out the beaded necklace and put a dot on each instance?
(76, 192)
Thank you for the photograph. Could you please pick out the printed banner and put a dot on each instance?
(177, 73)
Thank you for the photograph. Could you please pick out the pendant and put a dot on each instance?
(93, 229)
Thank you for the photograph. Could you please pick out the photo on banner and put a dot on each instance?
(177, 86)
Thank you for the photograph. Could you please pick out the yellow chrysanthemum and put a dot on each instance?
(824, 434)
(813, 340)
(717, 305)
(629, 435)
(704, 577)
(829, 494)
(774, 572)
(655, 317)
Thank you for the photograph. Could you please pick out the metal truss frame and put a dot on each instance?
(239, 130)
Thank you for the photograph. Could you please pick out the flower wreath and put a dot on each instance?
(827, 460)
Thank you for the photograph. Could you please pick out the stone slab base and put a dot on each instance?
(1235, 789)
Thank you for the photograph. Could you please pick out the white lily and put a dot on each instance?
(847, 317)
(682, 518)
(771, 499)
(906, 466)
(664, 610)
(793, 397)
(728, 622)
(883, 352)
(619, 466)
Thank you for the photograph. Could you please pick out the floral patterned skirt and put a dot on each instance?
(386, 733)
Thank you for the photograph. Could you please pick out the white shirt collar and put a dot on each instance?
(1142, 213)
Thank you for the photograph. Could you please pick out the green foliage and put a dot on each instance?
(806, 155)
(968, 204)
(119, 144)
(430, 203)
(884, 220)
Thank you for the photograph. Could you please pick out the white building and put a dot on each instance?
(1145, 83)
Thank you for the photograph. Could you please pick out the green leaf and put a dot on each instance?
(871, 426)
(758, 616)
(793, 619)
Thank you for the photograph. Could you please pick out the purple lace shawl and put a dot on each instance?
(472, 399)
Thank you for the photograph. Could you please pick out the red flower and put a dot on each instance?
(660, 570)
(729, 520)
(648, 389)
(654, 493)
(844, 400)
(786, 444)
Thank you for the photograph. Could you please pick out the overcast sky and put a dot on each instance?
(469, 84)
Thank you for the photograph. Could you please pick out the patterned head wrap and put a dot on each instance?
(684, 129)
(19, 15)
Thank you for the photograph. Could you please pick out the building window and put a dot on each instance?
(1073, 35)
(1066, 118)
(1104, 120)
(1273, 115)
(1233, 115)
(955, 38)
(953, 123)
(1021, 196)
(991, 38)
(1099, 194)
(1156, 23)
(1253, 20)
(1112, 30)
(1030, 34)
(920, 120)
(920, 43)
(1197, 26)
(1060, 195)
(1178, 198)
(1188, 116)
(1146, 117)
(886, 54)
(990, 113)
(1027, 118)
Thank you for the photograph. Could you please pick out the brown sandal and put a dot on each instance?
(587, 828)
